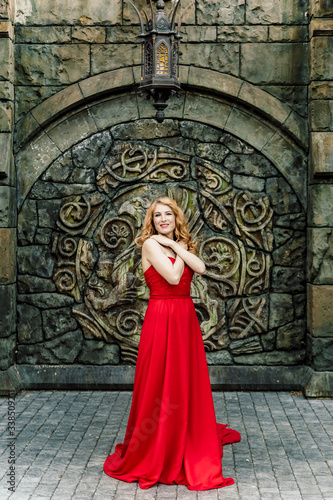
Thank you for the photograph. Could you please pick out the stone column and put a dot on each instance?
(8, 211)
(320, 219)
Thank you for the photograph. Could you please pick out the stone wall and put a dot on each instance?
(7, 191)
(70, 42)
(320, 217)
(77, 259)
(245, 73)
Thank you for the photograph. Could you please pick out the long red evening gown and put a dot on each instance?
(172, 436)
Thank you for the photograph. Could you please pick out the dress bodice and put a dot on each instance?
(160, 288)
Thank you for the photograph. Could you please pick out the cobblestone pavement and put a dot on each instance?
(63, 437)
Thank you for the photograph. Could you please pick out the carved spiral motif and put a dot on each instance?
(65, 279)
(67, 246)
(128, 322)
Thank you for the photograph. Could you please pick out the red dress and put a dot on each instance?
(172, 436)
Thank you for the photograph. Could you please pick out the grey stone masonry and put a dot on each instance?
(8, 218)
(62, 439)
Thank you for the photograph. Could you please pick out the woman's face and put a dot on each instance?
(164, 220)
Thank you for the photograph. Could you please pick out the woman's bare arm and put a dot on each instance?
(191, 260)
(153, 252)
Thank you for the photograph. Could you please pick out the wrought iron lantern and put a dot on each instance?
(160, 54)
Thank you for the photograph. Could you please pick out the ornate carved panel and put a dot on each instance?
(248, 235)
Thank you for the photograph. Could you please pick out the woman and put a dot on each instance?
(172, 436)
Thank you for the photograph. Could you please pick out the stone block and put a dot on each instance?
(62, 350)
(296, 221)
(51, 64)
(257, 165)
(29, 324)
(246, 182)
(6, 116)
(104, 83)
(209, 111)
(27, 222)
(321, 353)
(7, 9)
(48, 212)
(264, 101)
(300, 305)
(7, 349)
(34, 284)
(45, 300)
(282, 196)
(111, 111)
(321, 115)
(291, 336)
(288, 279)
(196, 130)
(8, 310)
(32, 160)
(145, 129)
(278, 12)
(281, 309)
(6, 90)
(35, 260)
(268, 340)
(321, 205)
(7, 59)
(284, 63)
(219, 358)
(88, 34)
(249, 128)
(321, 90)
(90, 152)
(288, 34)
(7, 206)
(64, 12)
(27, 98)
(43, 236)
(113, 56)
(57, 322)
(322, 8)
(321, 58)
(95, 352)
(57, 104)
(223, 57)
(121, 34)
(321, 157)
(320, 307)
(320, 256)
(246, 346)
(198, 34)
(294, 95)
(73, 129)
(211, 151)
(215, 12)
(292, 252)
(204, 78)
(7, 175)
(8, 256)
(242, 34)
(43, 34)
(272, 358)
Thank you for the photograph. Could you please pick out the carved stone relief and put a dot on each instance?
(239, 230)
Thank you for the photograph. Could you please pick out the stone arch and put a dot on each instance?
(102, 101)
(242, 119)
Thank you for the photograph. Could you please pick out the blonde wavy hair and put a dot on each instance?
(181, 230)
